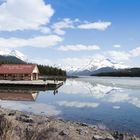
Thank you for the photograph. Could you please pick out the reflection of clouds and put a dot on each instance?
(98, 91)
(77, 104)
(118, 97)
(135, 101)
(36, 108)
(87, 89)
(124, 97)
(116, 107)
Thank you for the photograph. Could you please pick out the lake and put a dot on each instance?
(111, 103)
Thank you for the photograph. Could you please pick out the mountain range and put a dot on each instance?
(93, 66)
(8, 54)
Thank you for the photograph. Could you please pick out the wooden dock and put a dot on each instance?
(35, 85)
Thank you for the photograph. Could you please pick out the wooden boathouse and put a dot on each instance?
(19, 72)
(24, 76)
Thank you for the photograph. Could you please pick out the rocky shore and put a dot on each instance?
(15, 125)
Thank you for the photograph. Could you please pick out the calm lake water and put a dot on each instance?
(112, 103)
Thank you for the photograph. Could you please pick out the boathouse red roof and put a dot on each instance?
(18, 96)
(17, 68)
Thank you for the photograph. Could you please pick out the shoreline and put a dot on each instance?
(16, 125)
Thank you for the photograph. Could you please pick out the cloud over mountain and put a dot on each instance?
(79, 47)
(39, 41)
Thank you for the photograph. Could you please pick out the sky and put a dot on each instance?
(68, 32)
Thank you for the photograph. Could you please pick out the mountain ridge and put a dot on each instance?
(15, 53)
(95, 66)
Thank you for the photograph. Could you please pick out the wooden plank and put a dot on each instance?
(38, 85)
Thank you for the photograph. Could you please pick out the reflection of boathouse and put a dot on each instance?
(19, 72)
(18, 95)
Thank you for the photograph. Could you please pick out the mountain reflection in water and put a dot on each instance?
(110, 102)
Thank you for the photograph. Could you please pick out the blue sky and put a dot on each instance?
(62, 31)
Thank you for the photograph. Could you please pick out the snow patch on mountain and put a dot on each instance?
(93, 64)
(16, 53)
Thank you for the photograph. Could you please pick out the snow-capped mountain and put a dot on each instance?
(94, 65)
(17, 54)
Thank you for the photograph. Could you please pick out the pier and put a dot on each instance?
(35, 85)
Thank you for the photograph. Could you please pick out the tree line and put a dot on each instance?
(48, 70)
(132, 72)
(43, 69)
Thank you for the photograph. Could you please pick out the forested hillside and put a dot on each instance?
(43, 69)
(132, 72)
(48, 70)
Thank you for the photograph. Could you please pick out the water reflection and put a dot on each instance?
(78, 104)
(115, 105)
(25, 94)
(87, 89)
(18, 95)
(91, 100)
(113, 94)
(25, 99)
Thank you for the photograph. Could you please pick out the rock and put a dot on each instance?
(64, 132)
(118, 135)
(81, 131)
(22, 119)
(109, 139)
(34, 127)
(12, 113)
(24, 115)
(97, 137)
(83, 124)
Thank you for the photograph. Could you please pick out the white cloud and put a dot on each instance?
(45, 30)
(74, 63)
(117, 46)
(64, 63)
(66, 23)
(95, 25)
(79, 47)
(135, 52)
(39, 41)
(42, 61)
(124, 55)
(119, 55)
(77, 104)
(24, 14)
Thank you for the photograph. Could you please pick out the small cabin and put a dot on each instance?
(19, 72)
